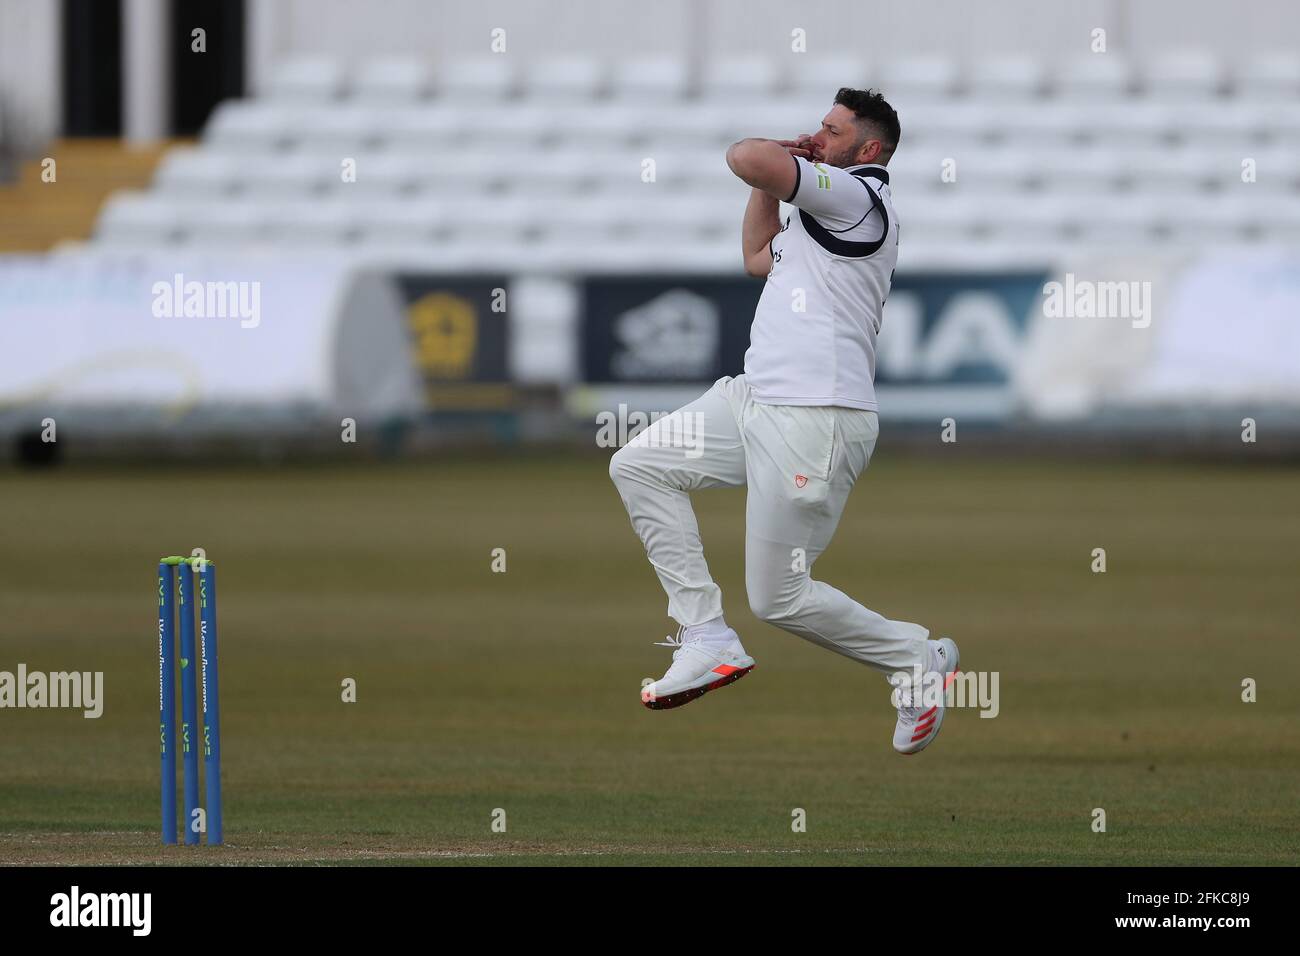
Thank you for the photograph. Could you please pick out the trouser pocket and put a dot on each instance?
(796, 441)
(809, 432)
(856, 432)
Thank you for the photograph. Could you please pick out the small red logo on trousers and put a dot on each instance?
(800, 480)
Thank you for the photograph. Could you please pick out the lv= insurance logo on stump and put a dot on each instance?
(195, 575)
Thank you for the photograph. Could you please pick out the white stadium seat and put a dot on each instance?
(1119, 220)
(1284, 127)
(1187, 75)
(690, 255)
(649, 79)
(392, 80)
(1048, 124)
(508, 128)
(383, 175)
(733, 78)
(1040, 219)
(308, 79)
(779, 119)
(483, 219)
(952, 125)
(554, 173)
(224, 223)
(1092, 170)
(1276, 168)
(1268, 77)
(705, 126)
(1093, 77)
(481, 78)
(565, 220)
(248, 125)
(338, 130)
(1163, 171)
(948, 215)
(460, 174)
(566, 79)
(919, 78)
(421, 128)
(507, 253)
(991, 171)
(911, 176)
(921, 167)
(1131, 122)
(137, 219)
(189, 171)
(398, 221)
(1003, 78)
(610, 124)
(676, 169)
(561, 250)
(286, 175)
(942, 253)
(311, 223)
(818, 78)
(1272, 218)
(669, 216)
(1212, 122)
(1210, 219)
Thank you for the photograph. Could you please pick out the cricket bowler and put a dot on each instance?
(796, 429)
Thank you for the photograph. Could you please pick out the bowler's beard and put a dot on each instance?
(847, 158)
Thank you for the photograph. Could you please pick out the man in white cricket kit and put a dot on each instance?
(797, 428)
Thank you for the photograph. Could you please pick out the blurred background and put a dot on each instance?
(492, 222)
(382, 284)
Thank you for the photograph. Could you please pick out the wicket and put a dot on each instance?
(203, 570)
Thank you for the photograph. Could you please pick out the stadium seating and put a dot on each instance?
(581, 164)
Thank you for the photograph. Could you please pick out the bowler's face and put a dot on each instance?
(836, 143)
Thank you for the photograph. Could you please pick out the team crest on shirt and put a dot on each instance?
(800, 480)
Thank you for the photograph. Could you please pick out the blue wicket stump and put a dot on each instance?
(211, 697)
(193, 576)
(167, 697)
(189, 703)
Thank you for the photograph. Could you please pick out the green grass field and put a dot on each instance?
(519, 691)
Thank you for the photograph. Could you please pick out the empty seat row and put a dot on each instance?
(1178, 74)
(135, 215)
(1095, 169)
(594, 173)
(243, 126)
(570, 171)
(561, 254)
(651, 224)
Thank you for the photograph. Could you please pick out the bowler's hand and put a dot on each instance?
(802, 146)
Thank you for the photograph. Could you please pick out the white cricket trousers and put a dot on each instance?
(799, 464)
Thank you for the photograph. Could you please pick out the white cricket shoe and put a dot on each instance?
(919, 722)
(698, 667)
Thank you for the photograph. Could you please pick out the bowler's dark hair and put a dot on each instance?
(879, 118)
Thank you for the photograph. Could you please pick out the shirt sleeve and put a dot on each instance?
(830, 195)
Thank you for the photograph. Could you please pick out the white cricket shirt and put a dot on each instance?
(834, 258)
